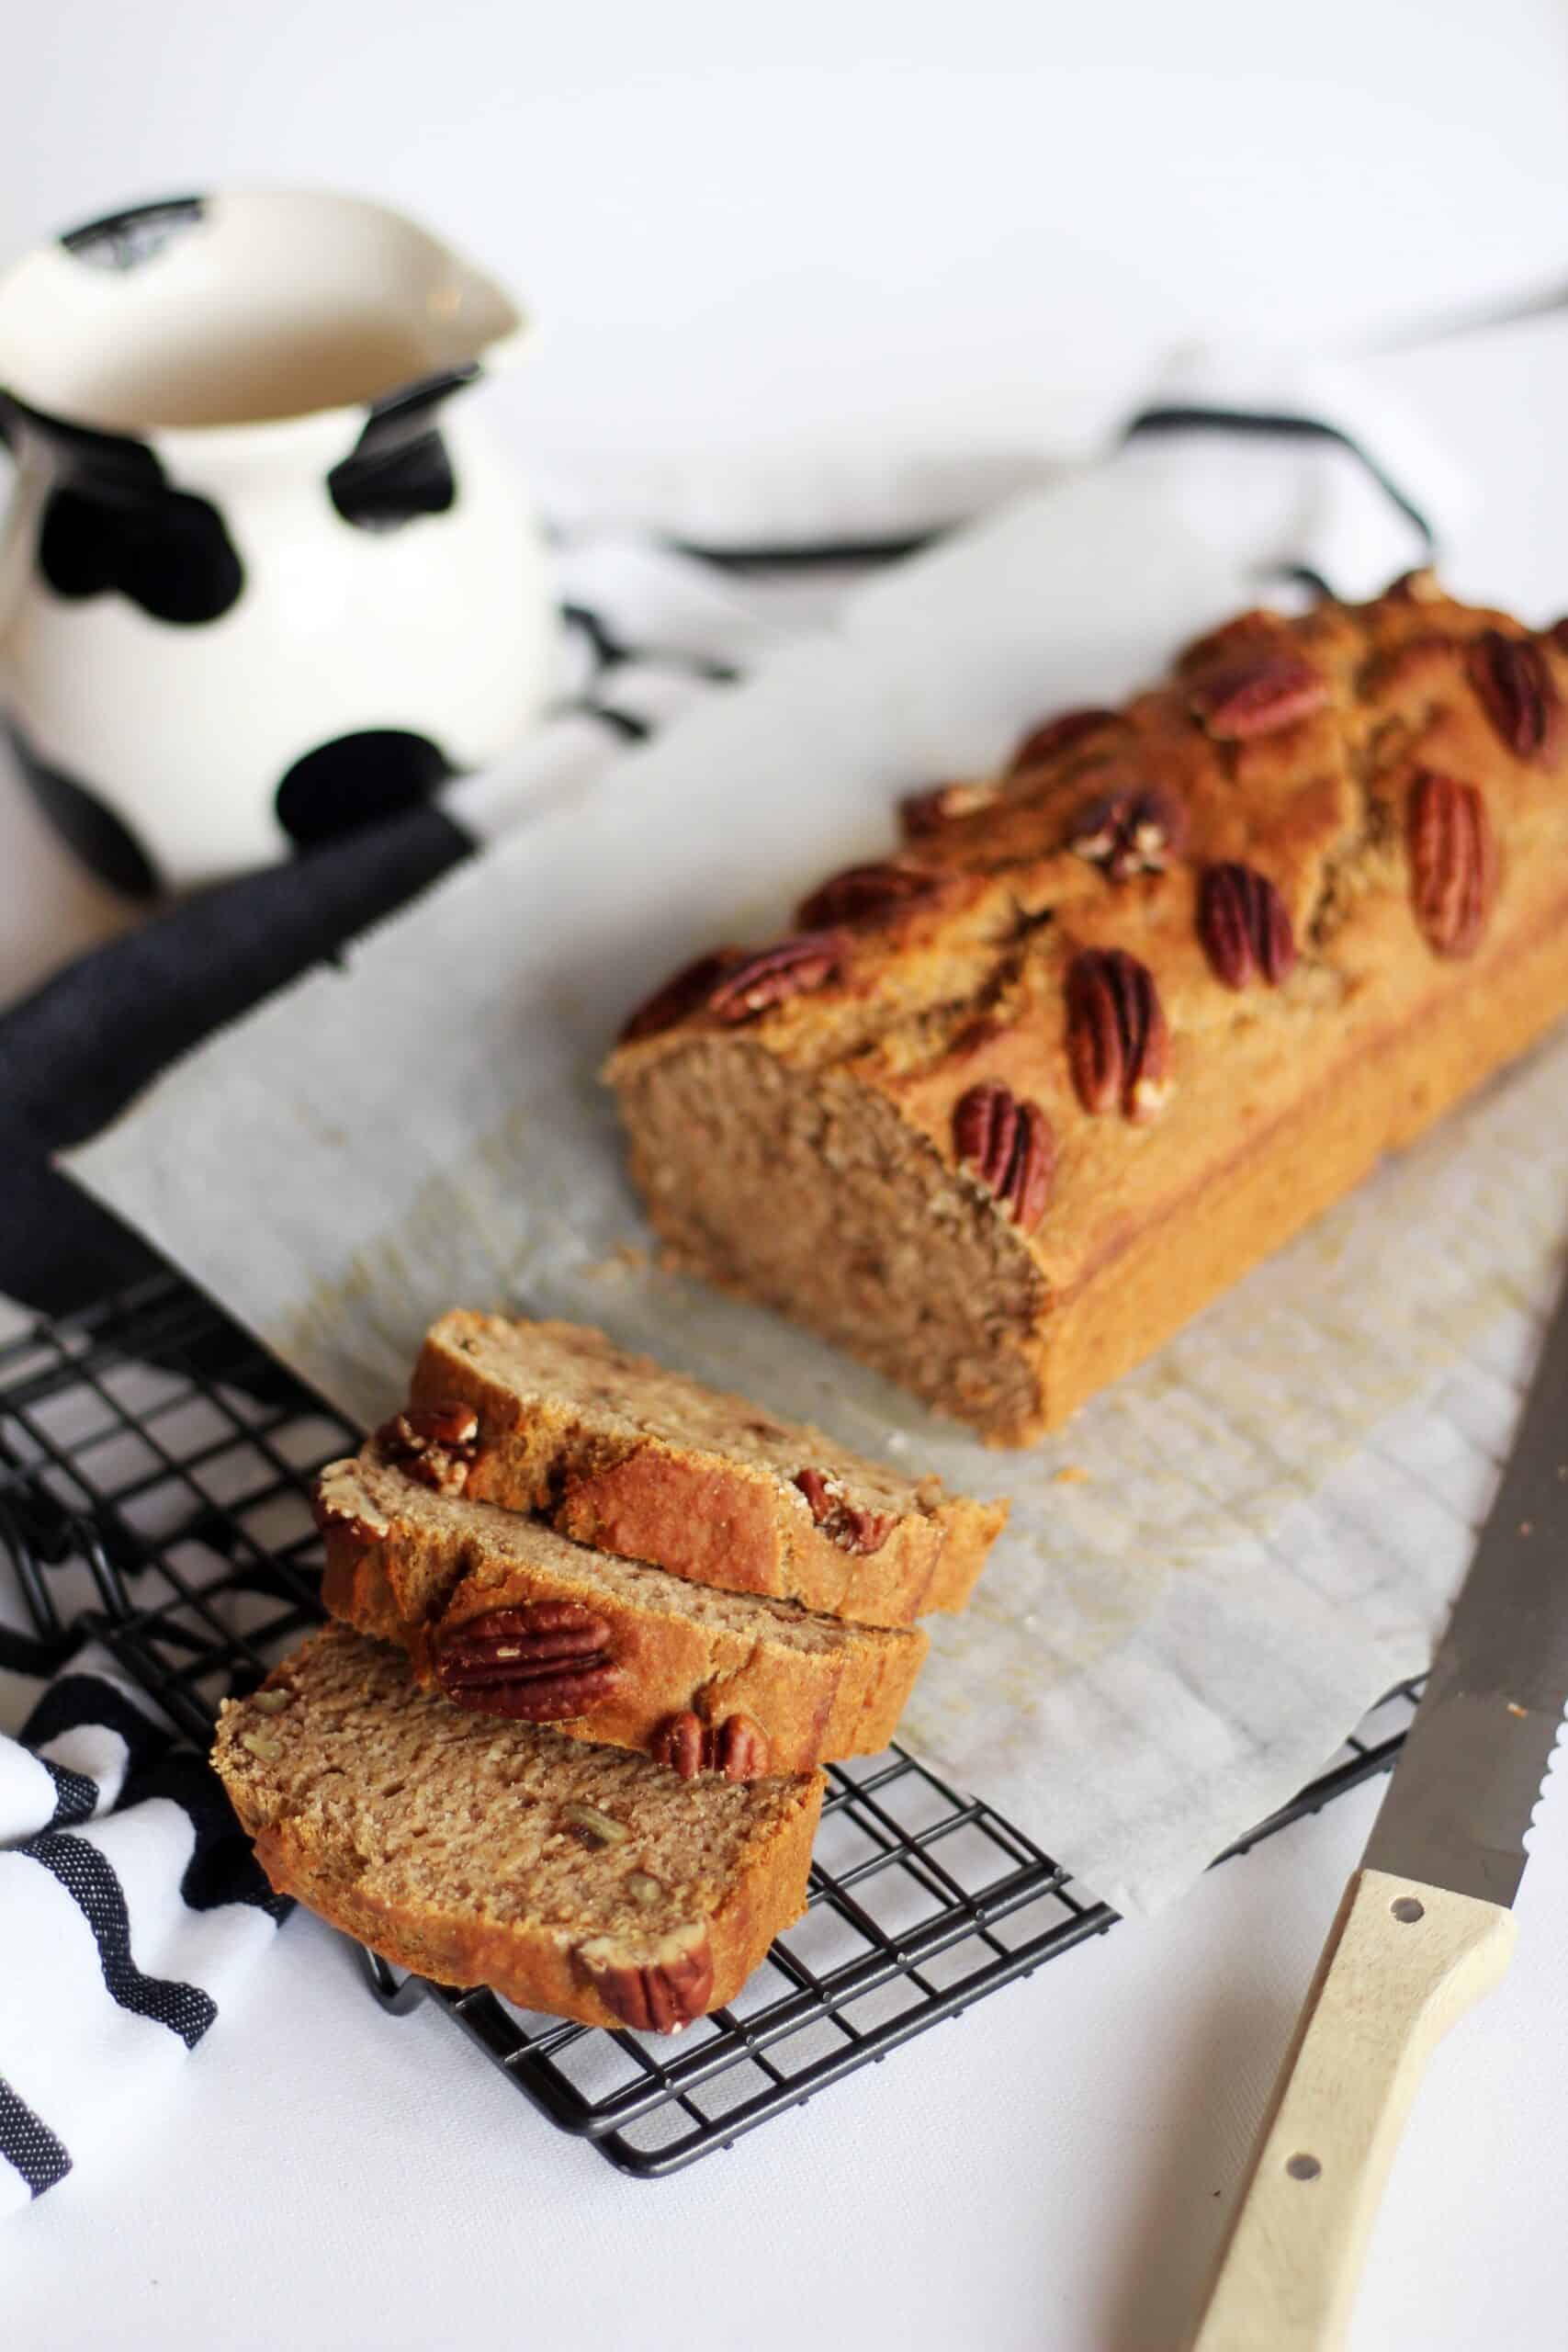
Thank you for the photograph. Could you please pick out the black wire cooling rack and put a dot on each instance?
(154, 1476)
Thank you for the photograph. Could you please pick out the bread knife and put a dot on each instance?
(1427, 1925)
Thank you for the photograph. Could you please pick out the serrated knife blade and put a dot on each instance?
(1469, 1776)
(1426, 1926)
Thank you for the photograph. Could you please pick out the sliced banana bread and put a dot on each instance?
(578, 1880)
(619, 1452)
(508, 1618)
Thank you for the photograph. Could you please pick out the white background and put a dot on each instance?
(779, 258)
(773, 234)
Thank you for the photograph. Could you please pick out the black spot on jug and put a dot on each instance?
(358, 780)
(171, 555)
(113, 523)
(398, 467)
(122, 241)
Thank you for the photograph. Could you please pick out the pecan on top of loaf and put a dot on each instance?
(1149, 931)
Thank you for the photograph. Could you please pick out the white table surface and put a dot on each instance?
(1053, 2169)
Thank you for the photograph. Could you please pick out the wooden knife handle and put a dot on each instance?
(1401, 1963)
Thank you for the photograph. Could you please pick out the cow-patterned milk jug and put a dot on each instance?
(260, 583)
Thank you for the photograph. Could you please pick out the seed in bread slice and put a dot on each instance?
(578, 1880)
(509, 1618)
(619, 1452)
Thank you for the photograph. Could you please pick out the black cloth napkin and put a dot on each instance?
(77, 1051)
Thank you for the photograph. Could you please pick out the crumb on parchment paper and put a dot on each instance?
(625, 1259)
(1071, 1474)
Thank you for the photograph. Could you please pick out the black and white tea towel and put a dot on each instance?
(130, 1906)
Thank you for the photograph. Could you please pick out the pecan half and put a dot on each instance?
(1117, 1040)
(737, 1747)
(656, 1996)
(1010, 1146)
(1245, 927)
(328, 1513)
(927, 812)
(1063, 734)
(1558, 633)
(868, 894)
(1130, 833)
(438, 1443)
(686, 991)
(1453, 862)
(791, 968)
(538, 1662)
(1518, 694)
(842, 1523)
(1259, 698)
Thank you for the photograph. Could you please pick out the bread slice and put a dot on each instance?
(578, 1880)
(621, 1454)
(509, 1618)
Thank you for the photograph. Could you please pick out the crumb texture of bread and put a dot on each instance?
(578, 1880)
(621, 1454)
(1116, 1021)
(417, 1567)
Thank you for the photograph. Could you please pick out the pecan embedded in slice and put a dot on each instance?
(851, 1528)
(1130, 833)
(1010, 1146)
(927, 812)
(741, 1749)
(868, 894)
(659, 1993)
(538, 1662)
(1117, 1039)
(333, 1516)
(1518, 694)
(791, 968)
(686, 991)
(1453, 862)
(737, 1747)
(1247, 698)
(451, 1422)
(593, 1829)
(1245, 927)
(681, 1744)
(1063, 734)
(435, 1443)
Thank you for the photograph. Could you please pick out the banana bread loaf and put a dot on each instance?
(1007, 1108)
(508, 1618)
(578, 1880)
(616, 1452)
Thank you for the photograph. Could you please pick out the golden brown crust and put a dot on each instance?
(691, 1506)
(415, 1569)
(1383, 792)
(536, 1967)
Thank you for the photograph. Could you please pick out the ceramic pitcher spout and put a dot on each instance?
(200, 314)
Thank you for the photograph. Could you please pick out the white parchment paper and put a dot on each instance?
(1225, 1561)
